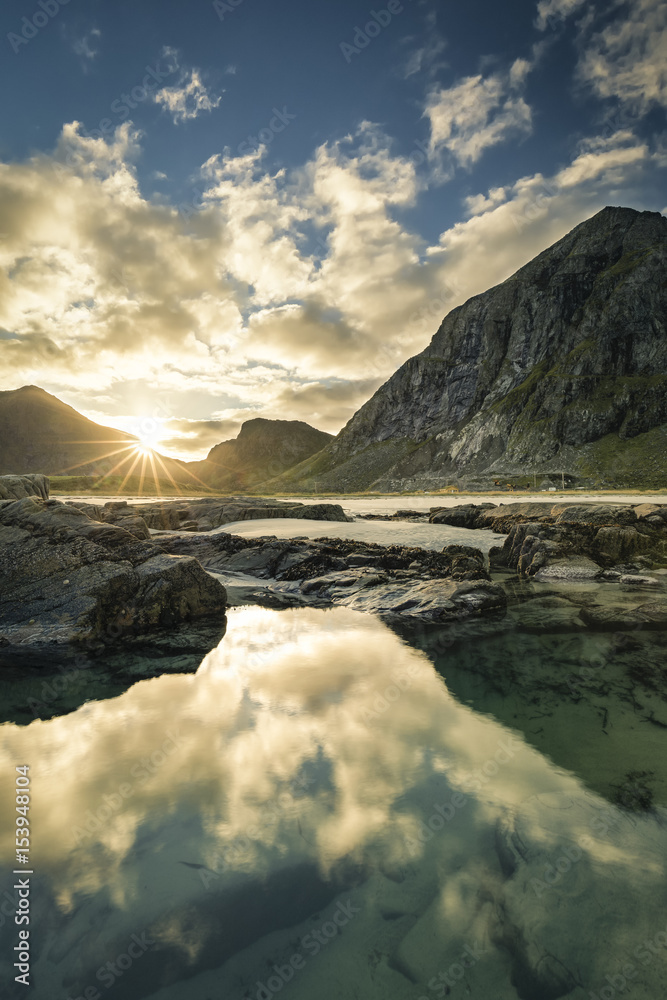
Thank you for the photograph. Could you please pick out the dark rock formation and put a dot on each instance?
(66, 578)
(263, 450)
(568, 541)
(392, 581)
(562, 368)
(203, 515)
(18, 487)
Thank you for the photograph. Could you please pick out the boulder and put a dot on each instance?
(18, 487)
(67, 578)
(571, 568)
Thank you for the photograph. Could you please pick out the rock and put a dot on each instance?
(66, 578)
(633, 580)
(214, 512)
(120, 514)
(540, 536)
(18, 487)
(560, 368)
(551, 851)
(436, 601)
(463, 516)
(616, 544)
(572, 568)
(547, 614)
(619, 617)
(384, 580)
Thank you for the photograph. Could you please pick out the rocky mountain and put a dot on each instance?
(39, 433)
(264, 449)
(560, 369)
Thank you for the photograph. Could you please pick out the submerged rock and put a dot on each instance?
(66, 578)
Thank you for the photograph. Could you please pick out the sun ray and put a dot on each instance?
(100, 458)
(131, 470)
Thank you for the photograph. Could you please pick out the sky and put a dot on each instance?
(212, 211)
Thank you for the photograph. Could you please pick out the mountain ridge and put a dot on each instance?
(560, 368)
(262, 450)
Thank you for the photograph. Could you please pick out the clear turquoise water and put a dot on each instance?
(325, 811)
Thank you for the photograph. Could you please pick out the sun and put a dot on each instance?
(149, 433)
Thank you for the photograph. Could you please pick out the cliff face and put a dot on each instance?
(263, 449)
(562, 368)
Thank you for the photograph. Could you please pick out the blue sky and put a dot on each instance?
(210, 211)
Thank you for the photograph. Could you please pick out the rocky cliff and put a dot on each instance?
(560, 369)
(263, 450)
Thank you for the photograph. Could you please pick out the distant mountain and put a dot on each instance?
(560, 369)
(263, 449)
(40, 433)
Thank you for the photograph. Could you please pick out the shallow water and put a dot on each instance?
(317, 813)
(424, 535)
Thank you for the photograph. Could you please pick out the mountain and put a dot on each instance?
(40, 433)
(264, 449)
(560, 369)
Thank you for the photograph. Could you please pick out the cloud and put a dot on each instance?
(85, 46)
(627, 58)
(187, 439)
(535, 212)
(237, 310)
(427, 58)
(327, 406)
(552, 13)
(478, 113)
(188, 98)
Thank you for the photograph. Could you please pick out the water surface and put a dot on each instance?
(315, 813)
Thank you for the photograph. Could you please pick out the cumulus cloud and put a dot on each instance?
(188, 98)
(537, 211)
(236, 310)
(478, 113)
(627, 58)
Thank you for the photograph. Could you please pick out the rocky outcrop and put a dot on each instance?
(202, 515)
(560, 369)
(392, 581)
(263, 449)
(569, 541)
(18, 487)
(65, 578)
